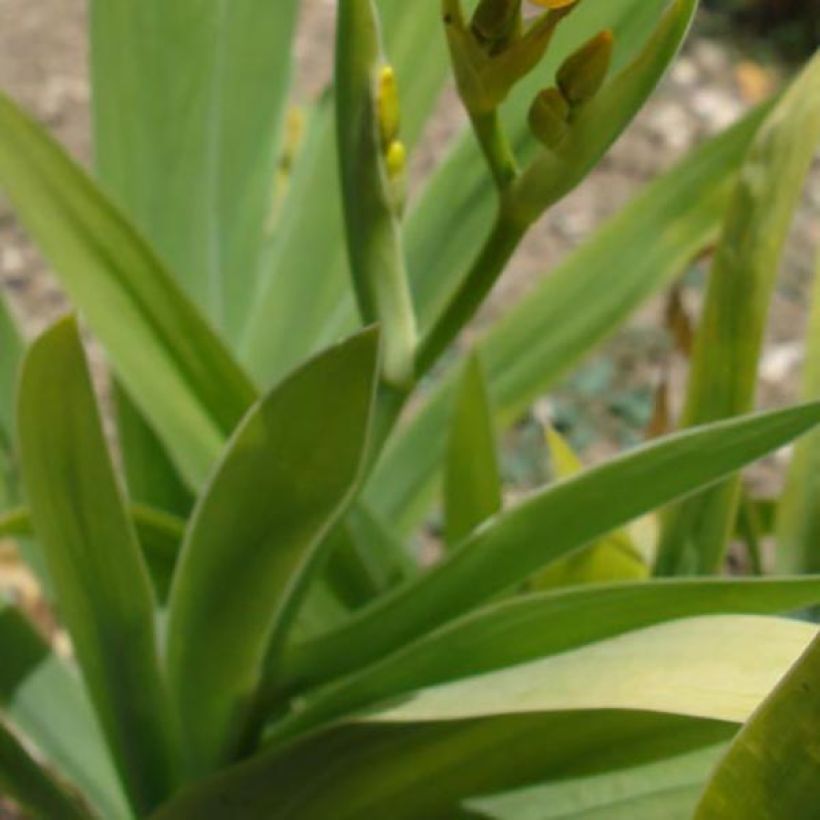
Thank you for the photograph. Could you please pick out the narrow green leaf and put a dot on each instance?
(25, 781)
(100, 580)
(798, 516)
(251, 546)
(553, 523)
(188, 101)
(651, 240)
(172, 365)
(729, 343)
(43, 700)
(613, 558)
(525, 628)
(667, 789)
(773, 767)
(472, 483)
(11, 352)
(150, 475)
(160, 535)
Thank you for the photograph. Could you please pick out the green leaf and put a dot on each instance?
(188, 102)
(773, 767)
(251, 546)
(525, 628)
(798, 516)
(426, 770)
(652, 240)
(553, 523)
(723, 380)
(25, 781)
(43, 700)
(581, 711)
(100, 580)
(160, 535)
(472, 483)
(667, 789)
(150, 475)
(170, 362)
(11, 352)
(613, 558)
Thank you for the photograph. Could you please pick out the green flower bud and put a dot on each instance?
(582, 75)
(496, 21)
(548, 117)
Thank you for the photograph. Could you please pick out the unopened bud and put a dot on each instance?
(496, 20)
(582, 75)
(549, 117)
(387, 104)
(395, 159)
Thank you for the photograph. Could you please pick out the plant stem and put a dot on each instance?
(496, 148)
(496, 252)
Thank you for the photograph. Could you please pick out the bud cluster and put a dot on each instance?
(497, 48)
(577, 82)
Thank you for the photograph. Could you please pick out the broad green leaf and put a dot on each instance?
(579, 711)
(188, 101)
(552, 524)
(172, 365)
(369, 199)
(719, 667)
(409, 771)
(30, 785)
(100, 581)
(723, 381)
(43, 700)
(614, 558)
(667, 789)
(472, 483)
(798, 517)
(772, 768)
(525, 628)
(251, 548)
(651, 239)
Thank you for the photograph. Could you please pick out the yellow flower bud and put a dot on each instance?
(387, 105)
(582, 75)
(395, 159)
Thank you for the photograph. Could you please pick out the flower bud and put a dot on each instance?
(387, 106)
(582, 75)
(495, 21)
(548, 117)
